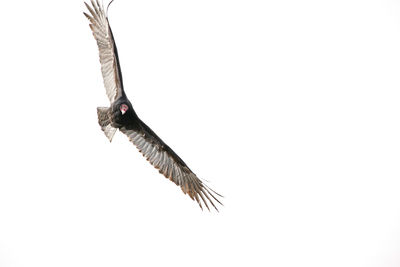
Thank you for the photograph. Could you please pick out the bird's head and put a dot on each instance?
(122, 112)
(123, 108)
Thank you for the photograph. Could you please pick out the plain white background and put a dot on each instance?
(289, 108)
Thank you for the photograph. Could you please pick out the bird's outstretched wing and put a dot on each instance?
(107, 50)
(163, 158)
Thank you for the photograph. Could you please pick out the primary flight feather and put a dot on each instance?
(121, 116)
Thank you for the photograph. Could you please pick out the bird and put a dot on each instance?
(121, 116)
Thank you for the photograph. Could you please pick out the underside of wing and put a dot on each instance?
(163, 158)
(107, 50)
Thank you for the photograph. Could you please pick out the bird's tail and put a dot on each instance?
(103, 115)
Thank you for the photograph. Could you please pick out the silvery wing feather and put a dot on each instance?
(107, 50)
(163, 158)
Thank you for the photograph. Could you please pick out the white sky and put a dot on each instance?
(289, 108)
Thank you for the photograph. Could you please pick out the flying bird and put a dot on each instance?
(121, 116)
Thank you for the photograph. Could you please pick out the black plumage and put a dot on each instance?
(121, 116)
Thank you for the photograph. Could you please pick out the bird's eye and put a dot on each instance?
(123, 108)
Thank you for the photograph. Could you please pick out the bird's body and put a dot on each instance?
(121, 116)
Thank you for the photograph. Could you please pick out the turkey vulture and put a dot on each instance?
(121, 115)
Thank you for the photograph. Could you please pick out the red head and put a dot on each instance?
(123, 108)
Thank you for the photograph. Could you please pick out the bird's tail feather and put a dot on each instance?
(105, 122)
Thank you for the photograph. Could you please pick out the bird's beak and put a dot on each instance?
(123, 111)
